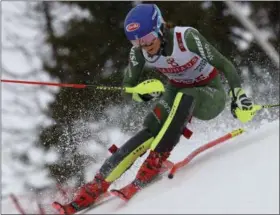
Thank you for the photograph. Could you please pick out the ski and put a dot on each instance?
(101, 200)
(128, 191)
(105, 199)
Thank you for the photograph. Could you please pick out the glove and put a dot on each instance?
(146, 97)
(242, 107)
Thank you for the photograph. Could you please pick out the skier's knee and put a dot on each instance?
(169, 134)
(152, 123)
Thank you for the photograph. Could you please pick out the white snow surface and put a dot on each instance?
(240, 175)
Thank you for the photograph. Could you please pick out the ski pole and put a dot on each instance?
(148, 86)
(247, 115)
(203, 148)
(259, 107)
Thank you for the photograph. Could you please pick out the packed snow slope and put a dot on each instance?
(238, 176)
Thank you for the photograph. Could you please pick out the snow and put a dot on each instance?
(238, 176)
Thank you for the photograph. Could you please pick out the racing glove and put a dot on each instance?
(146, 97)
(242, 107)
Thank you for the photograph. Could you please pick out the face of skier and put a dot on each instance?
(153, 47)
(150, 43)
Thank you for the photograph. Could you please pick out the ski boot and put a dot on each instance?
(151, 167)
(148, 171)
(87, 195)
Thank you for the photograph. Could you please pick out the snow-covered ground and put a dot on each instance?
(238, 176)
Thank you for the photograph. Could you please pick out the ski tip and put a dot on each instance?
(170, 175)
(58, 207)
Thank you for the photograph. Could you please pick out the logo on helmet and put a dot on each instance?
(132, 26)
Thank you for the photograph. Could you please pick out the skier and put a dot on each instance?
(193, 68)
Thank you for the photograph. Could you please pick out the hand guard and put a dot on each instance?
(146, 97)
(242, 107)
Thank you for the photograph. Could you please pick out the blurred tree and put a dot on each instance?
(92, 50)
(253, 60)
(24, 111)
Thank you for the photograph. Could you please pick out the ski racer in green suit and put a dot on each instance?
(193, 68)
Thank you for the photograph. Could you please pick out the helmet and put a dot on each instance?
(142, 24)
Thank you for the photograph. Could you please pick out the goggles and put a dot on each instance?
(146, 40)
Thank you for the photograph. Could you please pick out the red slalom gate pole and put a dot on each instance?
(46, 83)
(41, 209)
(17, 205)
(203, 148)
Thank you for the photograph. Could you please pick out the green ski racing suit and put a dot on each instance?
(163, 126)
